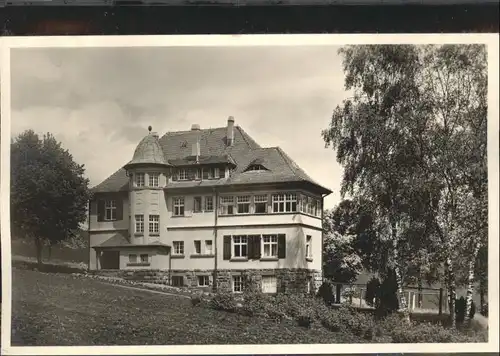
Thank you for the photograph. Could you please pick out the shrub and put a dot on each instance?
(195, 300)
(305, 318)
(325, 292)
(390, 323)
(460, 306)
(255, 303)
(358, 323)
(330, 321)
(388, 302)
(223, 301)
(484, 310)
(372, 292)
(425, 332)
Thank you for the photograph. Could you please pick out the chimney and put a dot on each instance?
(155, 134)
(230, 131)
(195, 127)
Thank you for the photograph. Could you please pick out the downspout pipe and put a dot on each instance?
(88, 236)
(216, 214)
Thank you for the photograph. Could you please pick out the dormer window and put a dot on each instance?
(140, 179)
(256, 167)
(182, 174)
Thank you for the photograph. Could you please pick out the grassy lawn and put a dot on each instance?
(56, 309)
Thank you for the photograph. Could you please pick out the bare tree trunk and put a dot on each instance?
(399, 280)
(420, 299)
(452, 293)
(470, 283)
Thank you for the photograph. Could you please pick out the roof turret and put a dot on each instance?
(148, 152)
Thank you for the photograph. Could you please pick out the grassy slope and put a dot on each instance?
(55, 309)
(59, 253)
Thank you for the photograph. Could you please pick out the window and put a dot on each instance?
(209, 203)
(132, 258)
(284, 203)
(154, 224)
(197, 247)
(177, 281)
(308, 246)
(270, 245)
(227, 205)
(182, 174)
(178, 247)
(318, 208)
(139, 224)
(203, 281)
(240, 246)
(197, 173)
(211, 173)
(197, 204)
(256, 167)
(144, 258)
(269, 284)
(237, 284)
(209, 247)
(243, 203)
(303, 205)
(179, 206)
(139, 180)
(309, 282)
(260, 202)
(154, 179)
(110, 210)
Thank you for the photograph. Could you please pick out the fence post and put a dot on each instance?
(440, 301)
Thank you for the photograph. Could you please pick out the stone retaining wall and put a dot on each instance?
(290, 280)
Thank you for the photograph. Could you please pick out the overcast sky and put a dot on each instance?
(99, 101)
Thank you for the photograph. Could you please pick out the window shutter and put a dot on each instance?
(281, 246)
(119, 209)
(226, 255)
(250, 252)
(100, 210)
(256, 247)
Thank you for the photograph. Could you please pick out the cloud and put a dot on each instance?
(99, 101)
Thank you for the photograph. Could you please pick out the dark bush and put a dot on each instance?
(425, 333)
(358, 323)
(255, 303)
(388, 302)
(305, 319)
(223, 301)
(330, 321)
(325, 292)
(484, 311)
(460, 306)
(390, 323)
(372, 291)
(195, 300)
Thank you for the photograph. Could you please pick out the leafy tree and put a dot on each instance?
(372, 292)
(412, 141)
(49, 193)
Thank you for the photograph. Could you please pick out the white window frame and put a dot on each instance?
(154, 224)
(182, 174)
(208, 206)
(216, 173)
(205, 278)
(240, 241)
(154, 179)
(227, 201)
(260, 199)
(198, 174)
(209, 251)
(270, 241)
(283, 202)
(132, 259)
(243, 200)
(140, 180)
(141, 258)
(110, 206)
(177, 248)
(308, 246)
(273, 288)
(197, 243)
(237, 284)
(200, 206)
(177, 206)
(139, 223)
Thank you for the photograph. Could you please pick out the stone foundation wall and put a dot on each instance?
(288, 280)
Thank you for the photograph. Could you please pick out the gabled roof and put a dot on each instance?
(177, 148)
(119, 240)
